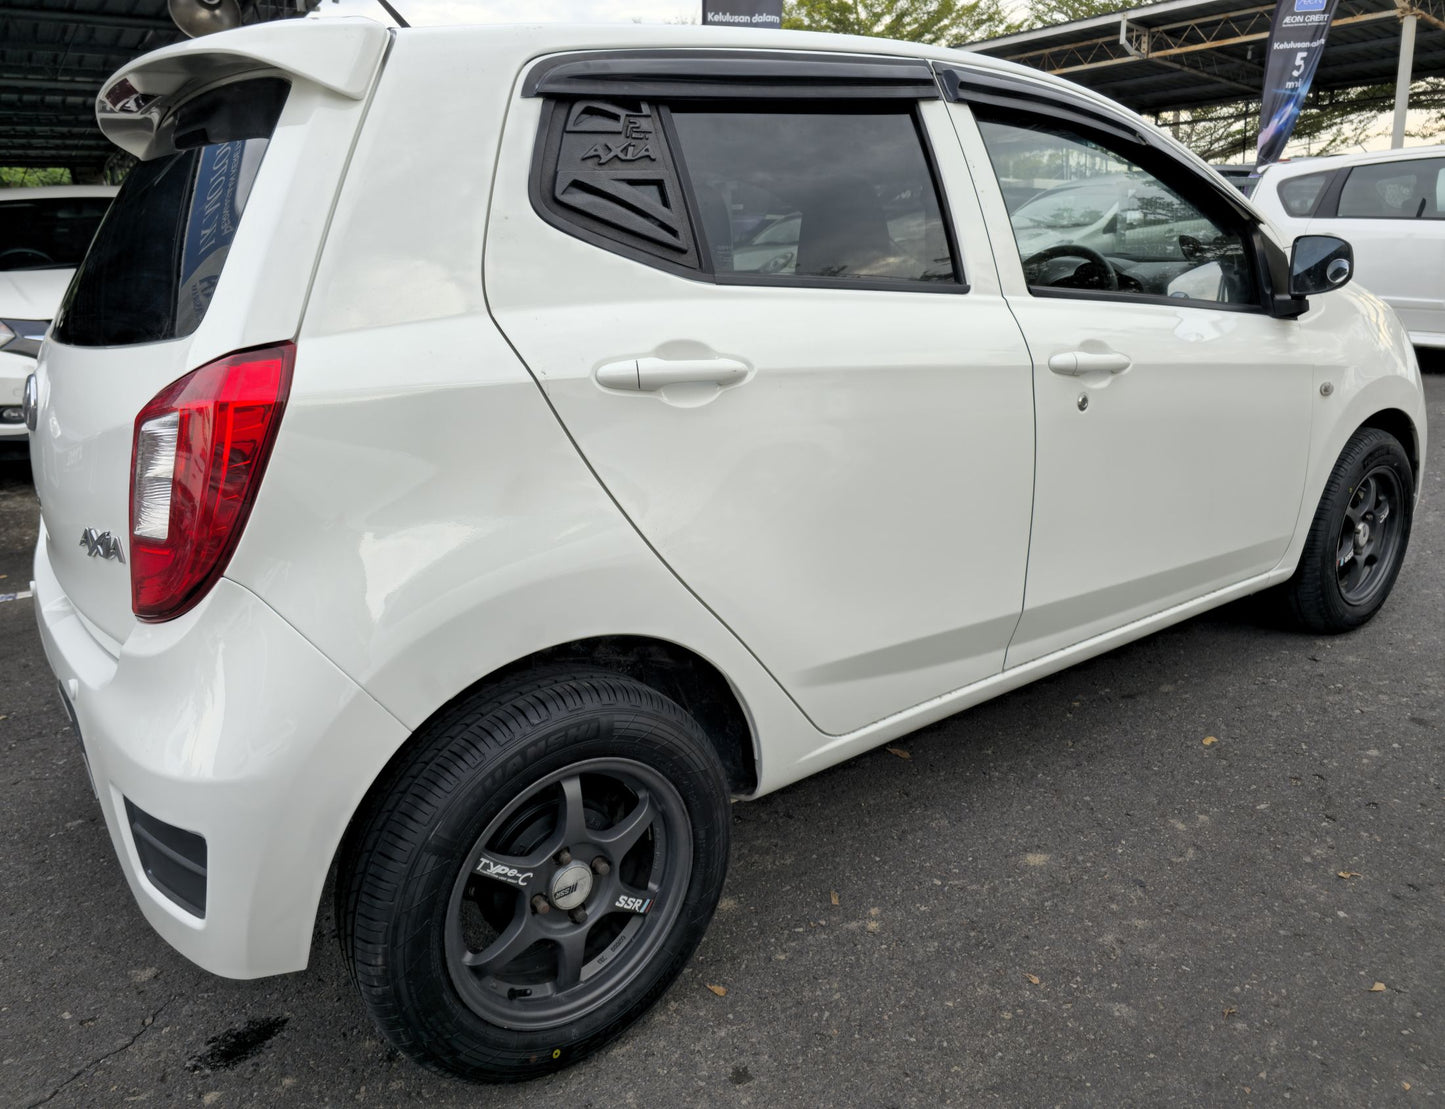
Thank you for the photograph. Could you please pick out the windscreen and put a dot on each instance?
(49, 233)
(153, 268)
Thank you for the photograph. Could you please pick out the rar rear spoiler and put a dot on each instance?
(136, 104)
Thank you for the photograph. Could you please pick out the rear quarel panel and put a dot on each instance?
(209, 250)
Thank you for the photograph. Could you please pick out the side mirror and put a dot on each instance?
(1319, 263)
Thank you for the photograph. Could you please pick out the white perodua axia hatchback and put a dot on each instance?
(472, 456)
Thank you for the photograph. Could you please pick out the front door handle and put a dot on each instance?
(1072, 363)
(649, 374)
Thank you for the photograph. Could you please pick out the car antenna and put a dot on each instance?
(396, 15)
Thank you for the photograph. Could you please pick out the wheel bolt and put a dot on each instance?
(541, 905)
(600, 865)
(579, 916)
(564, 857)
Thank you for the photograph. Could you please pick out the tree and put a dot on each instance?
(1047, 13)
(12, 177)
(943, 22)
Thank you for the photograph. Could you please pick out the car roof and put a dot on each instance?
(1355, 158)
(56, 192)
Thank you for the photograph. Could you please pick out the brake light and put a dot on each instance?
(199, 452)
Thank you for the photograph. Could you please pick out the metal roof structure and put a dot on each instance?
(1174, 55)
(1184, 54)
(54, 55)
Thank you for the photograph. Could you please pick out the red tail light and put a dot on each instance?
(199, 451)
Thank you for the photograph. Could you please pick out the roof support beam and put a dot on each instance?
(85, 88)
(92, 19)
(1196, 47)
(1402, 79)
(1154, 44)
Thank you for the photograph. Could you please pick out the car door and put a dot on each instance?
(1393, 214)
(1173, 413)
(768, 317)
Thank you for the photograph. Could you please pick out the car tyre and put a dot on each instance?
(533, 873)
(1358, 538)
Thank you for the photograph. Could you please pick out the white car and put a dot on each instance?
(1390, 205)
(431, 486)
(43, 236)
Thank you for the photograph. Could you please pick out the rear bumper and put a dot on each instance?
(228, 724)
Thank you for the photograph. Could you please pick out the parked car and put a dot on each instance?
(1242, 176)
(43, 236)
(1390, 205)
(443, 501)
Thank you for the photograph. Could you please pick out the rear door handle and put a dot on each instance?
(649, 374)
(1072, 363)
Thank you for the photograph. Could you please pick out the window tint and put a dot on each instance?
(1088, 218)
(1393, 190)
(1299, 195)
(49, 233)
(156, 260)
(809, 195)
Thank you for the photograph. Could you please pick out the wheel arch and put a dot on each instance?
(672, 669)
(675, 671)
(1399, 424)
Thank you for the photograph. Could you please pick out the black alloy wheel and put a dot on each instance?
(1358, 538)
(568, 893)
(532, 872)
(1369, 535)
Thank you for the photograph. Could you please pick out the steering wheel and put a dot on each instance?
(777, 263)
(1076, 250)
(44, 259)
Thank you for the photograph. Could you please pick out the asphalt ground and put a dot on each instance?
(1071, 895)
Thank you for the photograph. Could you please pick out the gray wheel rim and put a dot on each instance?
(1368, 542)
(568, 893)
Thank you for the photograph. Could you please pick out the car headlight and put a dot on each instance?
(22, 336)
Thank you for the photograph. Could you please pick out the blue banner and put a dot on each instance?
(1296, 43)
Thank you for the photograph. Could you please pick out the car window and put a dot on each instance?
(1299, 195)
(49, 233)
(1393, 190)
(807, 195)
(158, 256)
(1087, 218)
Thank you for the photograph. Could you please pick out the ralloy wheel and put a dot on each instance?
(568, 892)
(1358, 537)
(534, 874)
(1366, 550)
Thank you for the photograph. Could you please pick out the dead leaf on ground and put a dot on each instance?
(1351, 874)
(1033, 979)
(834, 898)
(1378, 987)
(1405, 1084)
(1210, 741)
(899, 751)
(721, 991)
